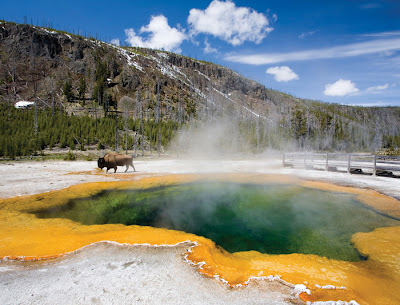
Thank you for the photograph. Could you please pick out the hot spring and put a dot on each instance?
(269, 218)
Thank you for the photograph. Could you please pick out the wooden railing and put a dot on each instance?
(367, 164)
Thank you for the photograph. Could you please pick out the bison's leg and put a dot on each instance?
(127, 166)
(107, 170)
(133, 167)
(115, 170)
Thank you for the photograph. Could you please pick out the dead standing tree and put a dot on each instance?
(158, 117)
(127, 104)
(116, 127)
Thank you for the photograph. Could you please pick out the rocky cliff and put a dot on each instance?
(80, 74)
(33, 57)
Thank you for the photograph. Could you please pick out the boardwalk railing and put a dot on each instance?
(367, 164)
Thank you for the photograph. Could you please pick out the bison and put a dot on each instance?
(113, 160)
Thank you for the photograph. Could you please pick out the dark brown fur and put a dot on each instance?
(113, 160)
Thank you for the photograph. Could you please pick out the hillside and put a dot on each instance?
(158, 95)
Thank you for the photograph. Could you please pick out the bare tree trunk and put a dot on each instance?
(116, 131)
(142, 125)
(180, 111)
(126, 112)
(147, 116)
(158, 114)
(52, 98)
(137, 114)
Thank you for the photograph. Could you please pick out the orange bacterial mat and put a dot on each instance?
(374, 281)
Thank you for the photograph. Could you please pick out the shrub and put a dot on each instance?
(70, 156)
(90, 157)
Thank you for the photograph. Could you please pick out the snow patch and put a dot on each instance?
(129, 57)
(48, 31)
(162, 54)
(170, 71)
(226, 96)
(202, 74)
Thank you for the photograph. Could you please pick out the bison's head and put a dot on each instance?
(101, 163)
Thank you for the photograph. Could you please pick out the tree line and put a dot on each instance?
(25, 132)
(288, 124)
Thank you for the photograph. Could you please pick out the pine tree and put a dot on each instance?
(299, 126)
(67, 90)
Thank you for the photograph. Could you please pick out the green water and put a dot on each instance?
(274, 219)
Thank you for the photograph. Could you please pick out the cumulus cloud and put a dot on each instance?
(115, 41)
(235, 25)
(378, 88)
(161, 35)
(341, 88)
(208, 48)
(282, 73)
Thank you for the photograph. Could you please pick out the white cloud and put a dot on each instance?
(161, 35)
(235, 25)
(373, 104)
(304, 35)
(350, 50)
(282, 74)
(383, 34)
(341, 88)
(208, 48)
(378, 88)
(115, 41)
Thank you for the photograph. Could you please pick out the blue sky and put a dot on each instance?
(339, 51)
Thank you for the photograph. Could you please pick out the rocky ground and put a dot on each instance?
(107, 273)
(33, 177)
